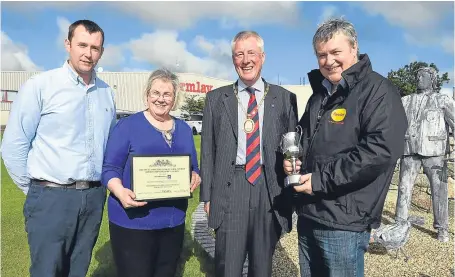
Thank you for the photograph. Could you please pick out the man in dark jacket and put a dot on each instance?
(354, 126)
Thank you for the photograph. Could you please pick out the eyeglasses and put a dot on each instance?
(250, 55)
(166, 96)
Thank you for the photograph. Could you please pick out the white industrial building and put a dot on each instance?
(129, 87)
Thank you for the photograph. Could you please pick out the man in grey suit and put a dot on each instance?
(242, 177)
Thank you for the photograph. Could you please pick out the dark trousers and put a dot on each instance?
(146, 253)
(62, 227)
(249, 226)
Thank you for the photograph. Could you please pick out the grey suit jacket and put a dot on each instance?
(429, 116)
(219, 150)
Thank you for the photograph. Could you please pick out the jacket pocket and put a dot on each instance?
(352, 204)
(434, 138)
(347, 203)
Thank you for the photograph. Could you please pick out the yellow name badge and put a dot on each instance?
(338, 115)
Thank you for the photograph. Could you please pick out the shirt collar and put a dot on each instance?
(75, 77)
(259, 85)
(328, 85)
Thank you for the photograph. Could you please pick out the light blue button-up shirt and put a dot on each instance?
(58, 128)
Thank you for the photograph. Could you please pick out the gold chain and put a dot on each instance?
(238, 99)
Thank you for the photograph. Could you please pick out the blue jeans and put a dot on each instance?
(62, 227)
(328, 252)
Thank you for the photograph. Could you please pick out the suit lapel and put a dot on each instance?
(270, 116)
(231, 104)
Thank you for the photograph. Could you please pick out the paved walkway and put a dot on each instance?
(200, 232)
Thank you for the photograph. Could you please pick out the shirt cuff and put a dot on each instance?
(24, 188)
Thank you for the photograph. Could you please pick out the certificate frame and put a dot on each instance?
(165, 161)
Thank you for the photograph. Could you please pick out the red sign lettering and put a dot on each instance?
(195, 87)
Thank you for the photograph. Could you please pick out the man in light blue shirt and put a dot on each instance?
(53, 149)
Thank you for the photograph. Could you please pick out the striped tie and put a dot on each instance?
(253, 149)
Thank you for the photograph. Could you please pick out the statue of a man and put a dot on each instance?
(426, 143)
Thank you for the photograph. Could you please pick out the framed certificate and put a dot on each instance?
(160, 177)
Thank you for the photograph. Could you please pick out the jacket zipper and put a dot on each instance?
(318, 121)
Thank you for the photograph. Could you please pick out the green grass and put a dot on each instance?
(15, 258)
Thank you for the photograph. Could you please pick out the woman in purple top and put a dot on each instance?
(147, 237)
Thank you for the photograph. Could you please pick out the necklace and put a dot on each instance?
(248, 124)
(167, 134)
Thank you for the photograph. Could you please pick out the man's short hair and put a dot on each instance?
(90, 26)
(333, 26)
(247, 34)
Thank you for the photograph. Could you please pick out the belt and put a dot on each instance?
(75, 185)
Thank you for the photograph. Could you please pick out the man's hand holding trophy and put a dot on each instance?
(292, 151)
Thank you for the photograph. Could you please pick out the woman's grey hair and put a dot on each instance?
(331, 27)
(247, 34)
(433, 76)
(164, 75)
